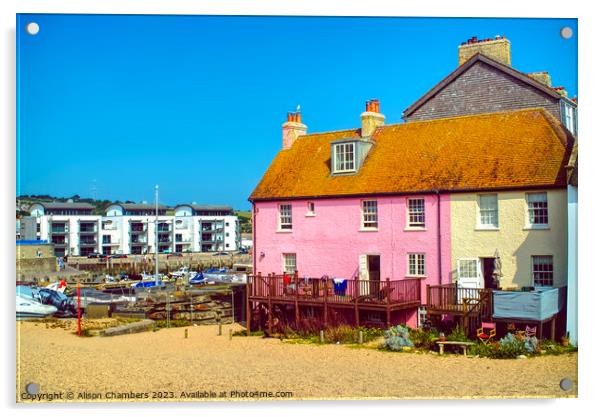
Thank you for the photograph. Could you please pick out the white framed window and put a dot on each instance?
(289, 262)
(488, 211)
(344, 157)
(311, 209)
(285, 218)
(543, 271)
(569, 116)
(369, 214)
(416, 217)
(416, 264)
(468, 269)
(537, 205)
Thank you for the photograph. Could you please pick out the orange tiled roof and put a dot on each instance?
(514, 149)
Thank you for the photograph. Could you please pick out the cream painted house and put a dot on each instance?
(527, 229)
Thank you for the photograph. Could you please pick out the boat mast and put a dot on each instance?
(157, 235)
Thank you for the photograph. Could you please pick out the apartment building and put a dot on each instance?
(71, 227)
(128, 228)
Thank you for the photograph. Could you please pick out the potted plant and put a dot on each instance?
(564, 340)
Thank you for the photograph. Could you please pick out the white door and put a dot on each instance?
(470, 273)
(364, 275)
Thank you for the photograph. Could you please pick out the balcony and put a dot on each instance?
(59, 230)
(213, 229)
(88, 228)
(87, 243)
(112, 242)
(353, 294)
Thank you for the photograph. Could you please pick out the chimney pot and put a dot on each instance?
(292, 129)
(371, 118)
(498, 51)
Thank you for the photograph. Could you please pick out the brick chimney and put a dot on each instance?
(542, 76)
(371, 118)
(497, 49)
(292, 129)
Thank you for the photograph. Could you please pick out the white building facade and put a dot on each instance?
(132, 229)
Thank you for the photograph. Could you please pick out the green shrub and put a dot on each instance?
(340, 334)
(160, 324)
(423, 339)
(369, 333)
(457, 335)
(480, 349)
(553, 348)
(509, 347)
(244, 333)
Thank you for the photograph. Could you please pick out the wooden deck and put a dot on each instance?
(326, 293)
(470, 305)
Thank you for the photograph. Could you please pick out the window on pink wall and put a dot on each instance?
(285, 217)
(311, 209)
(416, 214)
(369, 214)
(416, 264)
(289, 262)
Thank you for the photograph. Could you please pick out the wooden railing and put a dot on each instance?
(292, 287)
(473, 305)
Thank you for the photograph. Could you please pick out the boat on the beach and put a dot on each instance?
(215, 275)
(29, 304)
(93, 296)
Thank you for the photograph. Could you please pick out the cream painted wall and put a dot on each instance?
(515, 243)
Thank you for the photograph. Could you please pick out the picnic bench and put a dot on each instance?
(463, 345)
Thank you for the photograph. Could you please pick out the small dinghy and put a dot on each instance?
(29, 304)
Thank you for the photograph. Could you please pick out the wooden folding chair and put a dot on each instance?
(530, 331)
(486, 332)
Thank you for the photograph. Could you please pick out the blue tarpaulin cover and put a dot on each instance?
(537, 305)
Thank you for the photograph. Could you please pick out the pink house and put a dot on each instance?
(334, 204)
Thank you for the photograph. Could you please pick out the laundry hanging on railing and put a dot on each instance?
(340, 286)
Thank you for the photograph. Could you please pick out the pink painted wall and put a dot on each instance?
(331, 242)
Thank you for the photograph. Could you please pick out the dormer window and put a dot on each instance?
(344, 157)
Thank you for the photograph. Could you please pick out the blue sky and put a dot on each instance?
(113, 105)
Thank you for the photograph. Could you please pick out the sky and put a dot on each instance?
(110, 105)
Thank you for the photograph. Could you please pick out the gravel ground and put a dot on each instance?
(163, 365)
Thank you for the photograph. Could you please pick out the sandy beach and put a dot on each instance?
(165, 366)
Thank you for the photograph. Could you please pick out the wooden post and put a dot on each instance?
(79, 314)
(270, 281)
(388, 302)
(356, 301)
(428, 296)
(325, 313)
(321, 336)
(248, 304)
(297, 298)
(361, 337)
(553, 328)
(185, 333)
